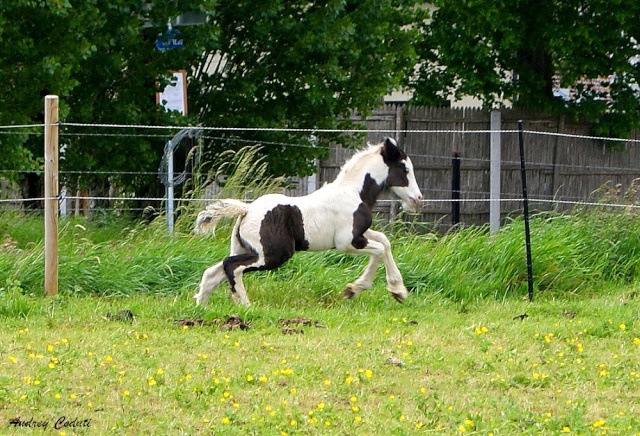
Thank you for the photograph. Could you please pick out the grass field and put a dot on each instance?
(465, 354)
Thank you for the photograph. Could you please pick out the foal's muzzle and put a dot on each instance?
(412, 204)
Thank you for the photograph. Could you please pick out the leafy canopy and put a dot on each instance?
(520, 51)
(261, 63)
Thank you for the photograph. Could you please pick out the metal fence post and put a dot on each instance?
(494, 172)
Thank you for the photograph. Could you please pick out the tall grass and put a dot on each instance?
(572, 254)
(241, 174)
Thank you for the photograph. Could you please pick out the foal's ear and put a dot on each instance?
(391, 152)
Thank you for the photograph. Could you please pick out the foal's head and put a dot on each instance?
(400, 179)
(384, 167)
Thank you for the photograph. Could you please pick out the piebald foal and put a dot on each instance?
(271, 229)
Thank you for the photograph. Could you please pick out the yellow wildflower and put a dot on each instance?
(599, 423)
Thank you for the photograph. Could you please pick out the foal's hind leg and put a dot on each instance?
(234, 267)
(226, 269)
(211, 278)
(214, 275)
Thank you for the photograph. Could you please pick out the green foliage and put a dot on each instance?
(297, 64)
(271, 63)
(519, 51)
(15, 304)
(100, 58)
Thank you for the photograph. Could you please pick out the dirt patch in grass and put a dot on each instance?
(233, 322)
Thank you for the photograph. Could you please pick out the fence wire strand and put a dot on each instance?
(75, 130)
(312, 131)
(381, 201)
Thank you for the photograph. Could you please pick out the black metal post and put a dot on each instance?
(525, 201)
(455, 188)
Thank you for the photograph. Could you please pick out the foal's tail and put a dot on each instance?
(208, 218)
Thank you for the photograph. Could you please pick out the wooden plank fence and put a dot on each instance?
(566, 169)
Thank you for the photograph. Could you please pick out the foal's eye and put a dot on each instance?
(406, 170)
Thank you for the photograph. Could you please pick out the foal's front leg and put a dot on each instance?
(395, 284)
(365, 281)
(379, 249)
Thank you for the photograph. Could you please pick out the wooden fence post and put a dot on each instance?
(399, 125)
(51, 195)
(555, 178)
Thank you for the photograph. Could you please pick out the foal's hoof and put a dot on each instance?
(399, 297)
(200, 300)
(348, 293)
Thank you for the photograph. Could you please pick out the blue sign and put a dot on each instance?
(169, 40)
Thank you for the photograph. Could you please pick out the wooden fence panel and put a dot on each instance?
(559, 167)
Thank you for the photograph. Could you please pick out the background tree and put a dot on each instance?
(100, 58)
(519, 51)
(32, 65)
(265, 63)
(298, 64)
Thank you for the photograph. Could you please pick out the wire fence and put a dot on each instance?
(610, 182)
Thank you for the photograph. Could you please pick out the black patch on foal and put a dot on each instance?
(391, 153)
(282, 234)
(363, 215)
(362, 219)
(398, 174)
(395, 160)
(232, 262)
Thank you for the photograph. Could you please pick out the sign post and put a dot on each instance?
(174, 96)
(169, 40)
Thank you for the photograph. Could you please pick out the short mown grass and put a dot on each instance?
(466, 353)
